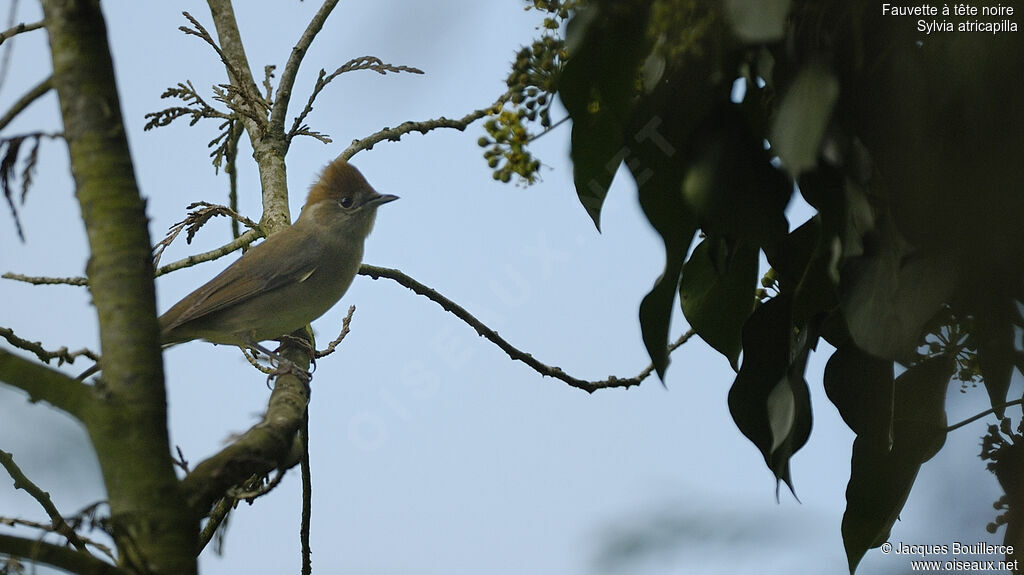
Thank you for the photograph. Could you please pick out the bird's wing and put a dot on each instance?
(245, 279)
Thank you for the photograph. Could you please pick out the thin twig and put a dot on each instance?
(254, 488)
(61, 354)
(21, 481)
(16, 522)
(345, 325)
(361, 63)
(215, 519)
(978, 416)
(291, 68)
(241, 241)
(203, 212)
(40, 280)
(31, 96)
(307, 497)
(251, 97)
(20, 28)
(394, 134)
(513, 352)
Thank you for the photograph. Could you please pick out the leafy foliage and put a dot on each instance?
(907, 146)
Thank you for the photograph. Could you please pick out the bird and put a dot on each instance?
(291, 278)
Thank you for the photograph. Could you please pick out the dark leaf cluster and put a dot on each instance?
(10, 150)
(912, 266)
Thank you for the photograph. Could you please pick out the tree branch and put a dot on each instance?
(21, 481)
(241, 241)
(323, 79)
(291, 69)
(31, 96)
(20, 28)
(396, 133)
(41, 280)
(56, 556)
(62, 354)
(260, 450)
(45, 384)
(269, 146)
(978, 416)
(513, 352)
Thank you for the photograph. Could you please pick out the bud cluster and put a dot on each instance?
(532, 83)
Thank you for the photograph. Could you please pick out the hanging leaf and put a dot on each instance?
(597, 88)
(732, 185)
(803, 116)
(769, 400)
(658, 189)
(892, 291)
(860, 385)
(717, 298)
(994, 336)
(757, 21)
(880, 477)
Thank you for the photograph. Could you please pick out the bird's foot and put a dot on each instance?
(302, 343)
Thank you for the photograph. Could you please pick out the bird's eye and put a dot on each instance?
(345, 202)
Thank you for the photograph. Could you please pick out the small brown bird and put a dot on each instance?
(290, 279)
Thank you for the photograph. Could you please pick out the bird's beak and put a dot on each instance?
(381, 199)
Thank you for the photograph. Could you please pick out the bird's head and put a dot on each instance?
(342, 198)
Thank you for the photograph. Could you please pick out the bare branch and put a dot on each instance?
(978, 416)
(196, 220)
(39, 280)
(31, 96)
(360, 63)
(249, 102)
(196, 107)
(21, 481)
(58, 556)
(307, 495)
(394, 134)
(218, 516)
(16, 522)
(20, 28)
(43, 383)
(239, 242)
(345, 325)
(492, 336)
(62, 354)
(291, 68)
(260, 450)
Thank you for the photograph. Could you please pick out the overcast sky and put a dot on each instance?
(432, 452)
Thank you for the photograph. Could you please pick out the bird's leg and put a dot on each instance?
(284, 365)
(95, 367)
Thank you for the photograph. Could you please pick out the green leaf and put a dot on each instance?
(880, 477)
(732, 185)
(597, 88)
(891, 292)
(718, 298)
(666, 211)
(994, 334)
(803, 116)
(769, 400)
(656, 311)
(757, 21)
(860, 385)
